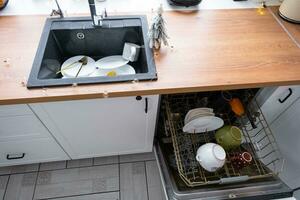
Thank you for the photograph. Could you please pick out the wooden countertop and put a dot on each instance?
(209, 50)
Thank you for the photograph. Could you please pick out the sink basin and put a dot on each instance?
(67, 37)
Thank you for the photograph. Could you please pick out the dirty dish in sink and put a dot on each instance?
(203, 124)
(111, 62)
(72, 67)
(123, 70)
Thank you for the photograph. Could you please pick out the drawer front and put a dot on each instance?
(30, 151)
(21, 127)
(279, 101)
(14, 110)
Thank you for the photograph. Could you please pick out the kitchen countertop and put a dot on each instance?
(209, 50)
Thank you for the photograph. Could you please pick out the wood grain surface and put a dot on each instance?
(209, 50)
(293, 29)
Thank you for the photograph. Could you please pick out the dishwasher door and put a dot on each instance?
(174, 189)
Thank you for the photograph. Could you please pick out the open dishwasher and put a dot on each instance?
(184, 178)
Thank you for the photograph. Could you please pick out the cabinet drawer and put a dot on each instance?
(14, 110)
(21, 127)
(279, 101)
(30, 151)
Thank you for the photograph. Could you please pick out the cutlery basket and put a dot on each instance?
(259, 141)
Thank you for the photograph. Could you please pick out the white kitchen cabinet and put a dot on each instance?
(28, 151)
(24, 139)
(287, 133)
(279, 99)
(101, 127)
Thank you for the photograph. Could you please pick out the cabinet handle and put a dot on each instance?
(287, 96)
(14, 157)
(146, 105)
(138, 98)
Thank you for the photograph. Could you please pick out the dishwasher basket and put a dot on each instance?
(259, 141)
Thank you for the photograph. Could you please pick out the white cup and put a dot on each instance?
(131, 51)
(211, 156)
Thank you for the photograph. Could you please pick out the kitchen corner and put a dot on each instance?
(227, 83)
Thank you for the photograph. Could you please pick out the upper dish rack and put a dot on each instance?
(259, 141)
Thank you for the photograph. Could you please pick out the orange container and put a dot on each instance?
(237, 106)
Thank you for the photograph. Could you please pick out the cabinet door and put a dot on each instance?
(30, 151)
(279, 101)
(101, 127)
(286, 131)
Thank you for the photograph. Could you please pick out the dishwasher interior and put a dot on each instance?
(183, 176)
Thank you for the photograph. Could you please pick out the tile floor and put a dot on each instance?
(126, 177)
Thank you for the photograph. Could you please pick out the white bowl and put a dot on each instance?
(211, 156)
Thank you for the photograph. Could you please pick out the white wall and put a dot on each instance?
(28, 7)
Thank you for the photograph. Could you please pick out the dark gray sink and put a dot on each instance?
(67, 37)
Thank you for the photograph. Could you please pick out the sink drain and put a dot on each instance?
(80, 36)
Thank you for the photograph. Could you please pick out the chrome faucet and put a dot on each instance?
(97, 19)
(57, 12)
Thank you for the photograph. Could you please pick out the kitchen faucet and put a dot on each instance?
(97, 19)
(58, 11)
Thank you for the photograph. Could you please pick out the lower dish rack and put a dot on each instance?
(258, 141)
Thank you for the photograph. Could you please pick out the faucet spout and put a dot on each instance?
(97, 19)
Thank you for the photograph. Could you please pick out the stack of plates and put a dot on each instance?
(201, 120)
(116, 65)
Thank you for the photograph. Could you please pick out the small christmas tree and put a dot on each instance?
(157, 32)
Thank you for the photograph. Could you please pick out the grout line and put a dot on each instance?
(79, 195)
(37, 175)
(47, 170)
(66, 167)
(6, 187)
(119, 165)
(146, 179)
(138, 161)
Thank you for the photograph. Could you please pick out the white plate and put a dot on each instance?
(201, 114)
(71, 71)
(123, 70)
(203, 124)
(197, 111)
(111, 62)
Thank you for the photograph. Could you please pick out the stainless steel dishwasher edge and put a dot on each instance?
(270, 188)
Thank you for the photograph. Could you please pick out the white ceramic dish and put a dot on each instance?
(203, 124)
(71, 71)
(196, 115)
(123, 70)
(111, 62)
(211, 156)
(197, 111)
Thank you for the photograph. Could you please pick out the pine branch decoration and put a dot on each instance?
(157, 32)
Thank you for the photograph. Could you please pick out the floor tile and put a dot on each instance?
(155, 191)
(53, 165)
(137, 157)
(133, 181)
(106, 160)
(80, 163)
(19, 169)
(20, 186)
(3, 183)
(77, 181)
(102, 196)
